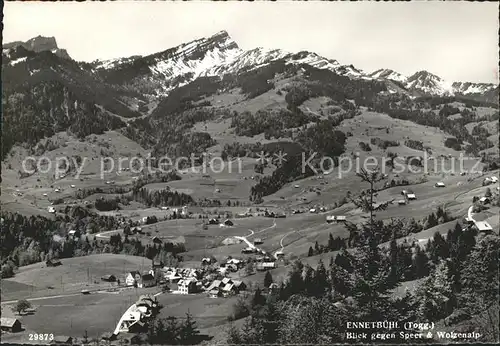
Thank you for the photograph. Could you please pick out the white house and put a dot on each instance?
(338, 218)
(411, 196)
(439, 184)
(134, 277)
(330, 218)
(483, 226)
(51, 210)
(484, 200)
(187, 286)
(184, 211)
(494, 179)
(265, 266)
(234, 261)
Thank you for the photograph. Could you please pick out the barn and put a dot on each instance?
(12, 325)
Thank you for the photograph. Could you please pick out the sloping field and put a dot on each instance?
(73, 275)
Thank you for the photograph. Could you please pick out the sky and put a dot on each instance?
(456, 40)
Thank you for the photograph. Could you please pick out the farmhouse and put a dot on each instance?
(265, 266)
(187, 286)
(51, 210)
(439, 184)
(216, 284)
(53, 263)
(228, 223)
(231, 267)
(487, 181)
(330, 218)
(206, 261)
(483, 226)
(411, 196)
(147, 280)
(484, 200)
(402, 202)
(133, 278)
(157, 264)
(108, 278)
(494, 179)
(10, 324)
(249, 250)
(228, 290)
(341, 218)
(234, 261)
(240, 285)
(273, 287)
(213, 221)
(280, 254)
(215, 293)
(137, 230)
(156, 240)
(258, 241)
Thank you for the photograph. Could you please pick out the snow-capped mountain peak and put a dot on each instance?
(385, 73)
(429, 83)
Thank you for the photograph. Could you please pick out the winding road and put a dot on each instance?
(245, 239)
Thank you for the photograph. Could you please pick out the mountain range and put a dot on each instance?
(142, 95)
(219, 55)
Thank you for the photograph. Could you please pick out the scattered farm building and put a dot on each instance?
(133, 278)
(439, 184)
(484, 200)
(157, 264)
(234, 261)
(147, 280)
(263, 266)
(62, 340)
(483, 226)
(206, 261)
(228, 223)
(156, 240)
(108, 278)
(334, 218)
(411, 196)
(215, 293)
(53, 263)
(249, 250)
(12, 325)
(213, 222)
(258, 241)
(187, 286)
(273, 287)
(216, 284)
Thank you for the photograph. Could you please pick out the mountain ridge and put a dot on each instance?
(219, 54)
(39, 44)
